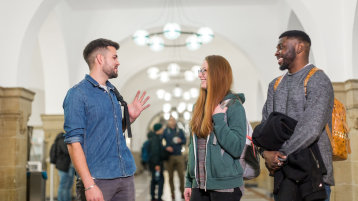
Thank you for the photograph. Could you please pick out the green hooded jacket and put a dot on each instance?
(223, 149)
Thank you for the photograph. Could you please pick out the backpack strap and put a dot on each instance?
(277, 82)
(309, 75)
(328, 130)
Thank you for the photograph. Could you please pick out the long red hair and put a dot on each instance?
(219, 81)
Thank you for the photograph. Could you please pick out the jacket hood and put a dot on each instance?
(235, 95)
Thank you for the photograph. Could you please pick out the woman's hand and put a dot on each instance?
(219, 109)
(187, 194)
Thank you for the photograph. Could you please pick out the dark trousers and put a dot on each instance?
(119, 189)
(328, 191)
(155, 181)
(209, 195)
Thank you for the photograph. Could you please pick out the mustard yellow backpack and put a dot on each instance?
(339, 135)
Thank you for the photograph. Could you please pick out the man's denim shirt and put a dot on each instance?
(93, 117)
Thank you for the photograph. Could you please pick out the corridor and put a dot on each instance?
(142, 185)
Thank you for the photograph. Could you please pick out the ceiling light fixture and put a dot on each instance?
(172, 31)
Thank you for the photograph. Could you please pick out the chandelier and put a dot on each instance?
(172, 31)
(173, 71)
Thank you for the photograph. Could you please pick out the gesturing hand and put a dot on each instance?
(137, 106)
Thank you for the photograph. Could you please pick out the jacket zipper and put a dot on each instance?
(314, 158)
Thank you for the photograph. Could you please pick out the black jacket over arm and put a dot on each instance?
(301, 178)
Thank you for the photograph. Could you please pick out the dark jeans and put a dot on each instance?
(119, 189)
(328, 191)
(155, 182)
(209, 195)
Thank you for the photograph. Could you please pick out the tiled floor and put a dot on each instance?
(142, 184)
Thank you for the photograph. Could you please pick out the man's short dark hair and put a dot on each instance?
(300, 35)
(94, 45)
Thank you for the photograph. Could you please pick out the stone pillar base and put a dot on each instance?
(15, 110)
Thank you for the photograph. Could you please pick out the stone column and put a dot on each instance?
(15, 110)
(345, 174)
(52, 125)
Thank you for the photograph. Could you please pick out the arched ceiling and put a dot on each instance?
(110, 4)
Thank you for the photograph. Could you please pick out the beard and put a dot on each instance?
(113, 75)
(110, 71)
(288, 58)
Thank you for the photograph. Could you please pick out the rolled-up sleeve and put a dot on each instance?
(75, 118)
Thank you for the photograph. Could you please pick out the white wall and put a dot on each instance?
(56, 81)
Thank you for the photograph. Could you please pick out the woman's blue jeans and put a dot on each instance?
(66, 182)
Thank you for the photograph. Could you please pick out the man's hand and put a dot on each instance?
(94, 194)
(169, 149)
(187, 194)
(272, 160)
(137, 106)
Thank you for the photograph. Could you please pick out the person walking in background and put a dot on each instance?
(218, 136)
(94, 129)
(175, 139)
(144, 155)
(310, 105)
(156, 160)
(60, 157)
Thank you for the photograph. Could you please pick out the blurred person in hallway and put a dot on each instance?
(175, 139)
(156, 159)
(218, 136)
(94, 128)
(60, 157)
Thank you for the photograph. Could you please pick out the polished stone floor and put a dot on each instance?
(142, 184)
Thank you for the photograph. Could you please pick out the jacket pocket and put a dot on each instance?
(223, 164)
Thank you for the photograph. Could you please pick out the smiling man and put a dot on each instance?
(94, 132)
(310, 105)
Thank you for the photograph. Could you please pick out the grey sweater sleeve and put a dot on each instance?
(318, 109)
(268, 107)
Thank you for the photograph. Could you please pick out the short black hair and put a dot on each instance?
(97, 44)
(301, 35)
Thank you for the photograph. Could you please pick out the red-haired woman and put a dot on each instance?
(218, 136)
